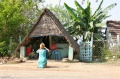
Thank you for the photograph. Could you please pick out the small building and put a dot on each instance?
(113, 32)
(46, 29)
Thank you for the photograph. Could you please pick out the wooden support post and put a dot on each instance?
(118, 39)
(22, 52)
(70, 53)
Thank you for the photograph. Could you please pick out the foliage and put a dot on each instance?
(105, 54)
(84, 22)
(3, 49)
(112, 53)
(16, 18)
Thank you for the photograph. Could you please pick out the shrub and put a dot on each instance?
(4, 49)
(105, 54)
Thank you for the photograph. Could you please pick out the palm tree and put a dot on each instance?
(84, 22)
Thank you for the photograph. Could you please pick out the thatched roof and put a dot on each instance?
(48, 24)
(114, 28)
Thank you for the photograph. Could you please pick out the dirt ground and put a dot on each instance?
(60, 70)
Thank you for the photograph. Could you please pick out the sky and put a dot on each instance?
(114, 12)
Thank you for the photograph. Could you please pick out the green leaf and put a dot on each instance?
(109, 7)
(87, 35)
(97, 36)
(100, 24)
(98, 8)
(70, 10)
(91, 25)
(79, 7)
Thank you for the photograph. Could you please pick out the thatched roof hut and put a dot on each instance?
(47, 24)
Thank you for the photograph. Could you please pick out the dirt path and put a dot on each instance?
(60, 70)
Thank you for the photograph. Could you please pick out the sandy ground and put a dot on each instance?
(60, 70)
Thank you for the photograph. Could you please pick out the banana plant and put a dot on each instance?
(84, 22)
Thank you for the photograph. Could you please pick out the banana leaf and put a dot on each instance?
(97, 36)
(87, 35)
(91, 25)
(109, 7)
(100, 24)
(79, 7)
(98, 8)
(70, 10)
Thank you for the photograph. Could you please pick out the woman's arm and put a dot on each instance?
(37, 51)
(47, 49)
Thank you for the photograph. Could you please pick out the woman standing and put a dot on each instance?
(42, 60)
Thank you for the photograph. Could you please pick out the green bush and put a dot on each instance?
(105, 54)
(4, 49)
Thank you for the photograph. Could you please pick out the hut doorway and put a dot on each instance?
(42, 39)
(46, 41)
